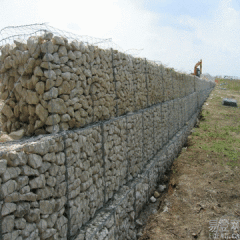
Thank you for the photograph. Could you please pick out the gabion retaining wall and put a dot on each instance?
(49, 84)
(91, 183)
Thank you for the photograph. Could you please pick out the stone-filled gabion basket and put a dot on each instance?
(49, 83)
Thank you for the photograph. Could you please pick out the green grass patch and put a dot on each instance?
(230, 84)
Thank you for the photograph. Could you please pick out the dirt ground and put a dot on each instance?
(202, 199)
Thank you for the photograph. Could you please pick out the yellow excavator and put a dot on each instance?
(198, 71)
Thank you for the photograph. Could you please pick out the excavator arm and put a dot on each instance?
(196, 66)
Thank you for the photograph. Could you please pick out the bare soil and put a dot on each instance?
(204, 181)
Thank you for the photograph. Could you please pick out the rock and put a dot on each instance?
(22, 181)
(229, 102)
(38, 182)
(17, 134)
(14, 235)
(3, 165)
(21, 44)
(5, 138)
(153, 199)
(139, 234)
(22, 209)
(156, 194)
(8, 224)
(139, 222)
(47, 207)
(44, 193)
(20, 223)
(24, 190)
(7, 111)
(57, 106)
(66, 76)
(32, 44)
(51, 220)
(58, 40)
(32, 97)
(71, 56)
(28, 171)
(48, 233)
(47, 47)
(53, 93)
(30, 197)
(50, 74)
(64, 88)
(10, 173)
(53, 129)
(65, 118)
(33, 215)
(42, 225)
(53, 119)
(8, 188)
(45, 166)
(47, 36)
(62, 51)
(35, 160)
(162, 188)
(165, 209)
(38, 71)
(41, 112)
(40, 87)
(8, 208)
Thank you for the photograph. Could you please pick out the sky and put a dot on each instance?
(178, 33)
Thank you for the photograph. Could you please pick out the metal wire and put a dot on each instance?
(8, 34)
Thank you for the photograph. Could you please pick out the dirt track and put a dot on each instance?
(204, 182)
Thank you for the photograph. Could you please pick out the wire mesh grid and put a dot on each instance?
(10, 33)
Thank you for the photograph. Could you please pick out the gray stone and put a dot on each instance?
(3, 166)
(153, 199)
(30, 197)
(22, 209)
(20, 223)
(38, 182)
(48, 233)
(53, 119)
(8, 208)
(229, 102)
(58, 40)
(47, 207)
(17, 134)
(8, 224)
(33, 215)
(42, 225)
(57, 106)
(35, 160)
(8, 188)
(10, 173)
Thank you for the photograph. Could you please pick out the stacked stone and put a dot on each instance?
(50, 84)
(34, 192)
(148, 134)
(85, 175)
(123, 67)
(165, 123)
(51, 187)
(35, 185)
(139, 77)
(115, 155)
(158, 128)
(57, 83)
(154, 80)
(134, 145)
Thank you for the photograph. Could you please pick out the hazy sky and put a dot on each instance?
(176, 32)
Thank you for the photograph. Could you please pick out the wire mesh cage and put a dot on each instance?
(10, 33)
